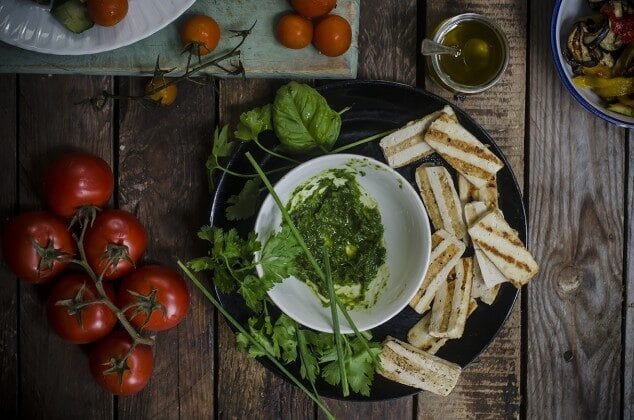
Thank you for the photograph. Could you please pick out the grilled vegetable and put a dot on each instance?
(73, 14)
(404, 363)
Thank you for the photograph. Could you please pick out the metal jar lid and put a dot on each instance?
(434, 63)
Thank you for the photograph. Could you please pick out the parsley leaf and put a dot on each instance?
(244, 204)
(278, 339)
(253, 290)
(221, 148)
(279, 255)
(359, 365)
(284, 335)
(254, 122)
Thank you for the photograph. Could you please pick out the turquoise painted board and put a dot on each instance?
(261, 55)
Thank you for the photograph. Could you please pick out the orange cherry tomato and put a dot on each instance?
(332, 36)
(107, 12)
(313, 8)
(294, 31)
(159, 92)
(200, 33)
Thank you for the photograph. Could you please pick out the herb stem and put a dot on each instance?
(335, 325)
(358, 333)
(362, 141)
(238, 326)
(273, 153)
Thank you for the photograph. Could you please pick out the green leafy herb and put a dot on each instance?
(221, 148)
(279, 339)
(302, 119)
(254, 122)
(359, 365)
(243, 205)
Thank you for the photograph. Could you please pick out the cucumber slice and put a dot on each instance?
(73, 14)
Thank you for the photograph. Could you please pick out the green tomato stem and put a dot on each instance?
(261, 348)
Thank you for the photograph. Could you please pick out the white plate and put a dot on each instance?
(27, 25)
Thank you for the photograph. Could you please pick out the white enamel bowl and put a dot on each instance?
(565, 14)
(407, 237)
(28, 25)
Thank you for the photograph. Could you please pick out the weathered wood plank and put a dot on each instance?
(55, 381)
(576, 190)
(628, 350)
(245, 388)
(162, 180)
(9, 291)
(501, 112)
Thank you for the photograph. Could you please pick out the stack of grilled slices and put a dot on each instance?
(469, 215)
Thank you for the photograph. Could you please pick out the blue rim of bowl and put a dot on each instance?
(563, 76)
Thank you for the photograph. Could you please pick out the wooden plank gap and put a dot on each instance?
(627, 322)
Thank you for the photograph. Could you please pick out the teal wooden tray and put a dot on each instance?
(262, 55)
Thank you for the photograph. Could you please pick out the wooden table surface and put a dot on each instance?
(565, 352)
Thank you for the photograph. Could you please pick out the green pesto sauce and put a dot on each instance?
(332, 210)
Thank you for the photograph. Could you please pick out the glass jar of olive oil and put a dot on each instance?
(483, 57)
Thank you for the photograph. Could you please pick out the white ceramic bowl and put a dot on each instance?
(28, 25)
(565, 14)
(407, 237)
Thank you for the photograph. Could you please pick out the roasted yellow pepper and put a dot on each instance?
(600, 71)
(606, 88)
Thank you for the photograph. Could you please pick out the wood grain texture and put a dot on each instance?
(55, 380)
(628, 322)
(245, 388)
(500, 111)
(387, 40)
(163, 181)
(9, 290)
(576, 218)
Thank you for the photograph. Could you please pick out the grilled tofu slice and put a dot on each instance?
(460, 300)
(488, 194)
(462, 150)
(407, 145)
(405, 364)
(446, 252)
(479, 289)
(491, 275)
(441, 199)
(441, 309)
(493, 235)
(419, 337)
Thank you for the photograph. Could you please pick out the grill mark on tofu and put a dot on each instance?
(454, 213)
(467, 168)
(405, 144)
(428, 198)
(510, 237)
(493, 250)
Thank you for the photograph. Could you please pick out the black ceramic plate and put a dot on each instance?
(376, 107)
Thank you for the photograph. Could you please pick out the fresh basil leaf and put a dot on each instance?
(302, 119)
(254, 122)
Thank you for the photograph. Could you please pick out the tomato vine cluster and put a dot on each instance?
(330, 34)
(106, 245)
